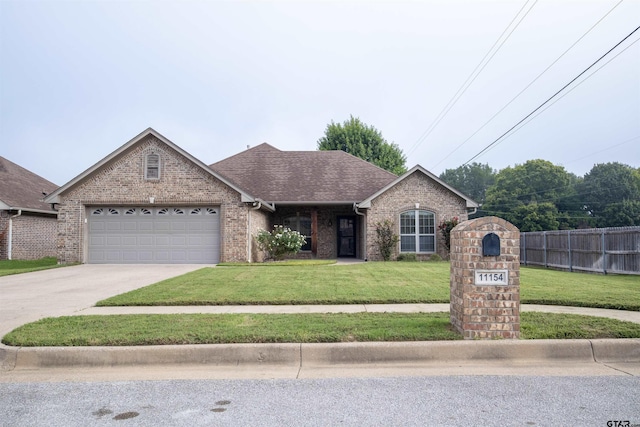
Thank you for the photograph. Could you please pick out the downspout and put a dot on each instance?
(9, 249)
(357, 212)
(256, 206)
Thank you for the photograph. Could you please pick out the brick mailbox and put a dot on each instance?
(485, 279)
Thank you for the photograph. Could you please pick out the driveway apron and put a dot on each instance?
(62, 291)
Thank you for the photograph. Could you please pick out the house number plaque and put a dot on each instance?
(491, 277)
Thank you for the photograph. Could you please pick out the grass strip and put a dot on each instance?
(132, 330)
(8, 267)
(370, 283)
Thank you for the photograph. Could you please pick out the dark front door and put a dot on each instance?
(346, 236)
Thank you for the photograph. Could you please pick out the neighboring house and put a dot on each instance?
(151, 202)
(28, 226)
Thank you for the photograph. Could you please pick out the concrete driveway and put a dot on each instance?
(28, 297)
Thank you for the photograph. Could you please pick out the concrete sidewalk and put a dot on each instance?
(629, 316)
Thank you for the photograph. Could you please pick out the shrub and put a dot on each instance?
(385, 238)
(407, 257)
(280, 242)
(445, 228)
(435, 257)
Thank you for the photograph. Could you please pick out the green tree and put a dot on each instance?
(366, 142)
(473, 180)
(525, 193)
(621, 214)
(608, 184)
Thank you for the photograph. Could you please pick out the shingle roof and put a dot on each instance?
(20, 188)
(303, 176)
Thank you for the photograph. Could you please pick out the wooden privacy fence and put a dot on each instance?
(602, 250)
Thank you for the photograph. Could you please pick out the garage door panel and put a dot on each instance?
(130, 226)
(154, 235)
(145, 226)
(145, 240)
(113, 241)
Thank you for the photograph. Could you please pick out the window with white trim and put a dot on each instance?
(152, 167)
(417, 231)
(301, 224)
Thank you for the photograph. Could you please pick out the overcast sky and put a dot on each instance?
(79, 79)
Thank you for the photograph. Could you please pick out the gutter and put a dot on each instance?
(9, 249)
(364, 240)
(307, 203)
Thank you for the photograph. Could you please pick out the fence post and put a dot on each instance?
(544, 247)
(569, 239)
(524, 247)
(604, 254)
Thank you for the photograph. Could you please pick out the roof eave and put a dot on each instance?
(18, 208)
(314, 203)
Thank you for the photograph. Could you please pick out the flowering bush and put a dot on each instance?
(386, 239)
(280, 242)
(445, 228)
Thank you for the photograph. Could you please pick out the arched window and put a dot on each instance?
(301, 224)
(417, 231)
(152, 166)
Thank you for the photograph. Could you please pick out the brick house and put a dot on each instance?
(151, 202)
(28, 226)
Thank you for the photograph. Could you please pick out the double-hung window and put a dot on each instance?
(417, 231)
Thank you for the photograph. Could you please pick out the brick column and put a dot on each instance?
(485, 290)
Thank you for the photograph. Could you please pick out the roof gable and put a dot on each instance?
(303, 176)
(365, 204)
(23, 189)
(54, 197)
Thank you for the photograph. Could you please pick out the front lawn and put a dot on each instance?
(159, 329)
(21, 266)
(371, 283)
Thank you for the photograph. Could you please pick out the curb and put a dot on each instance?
(313, 355)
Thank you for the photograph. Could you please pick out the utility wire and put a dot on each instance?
(550, 98)
(470, 79)
(564, 94)
(604, 149)
(528, 86)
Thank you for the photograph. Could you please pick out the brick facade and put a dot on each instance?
(419, 189)
(33, 236)
(121, 182)
(485, 311)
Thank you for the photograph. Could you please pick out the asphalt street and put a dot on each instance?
(412, 401)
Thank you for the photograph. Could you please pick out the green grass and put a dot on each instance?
(285, 263)
(22, 266)
(325, 284)
(162, 329)
(370, 283)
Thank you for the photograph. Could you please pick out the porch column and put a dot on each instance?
(314, 231)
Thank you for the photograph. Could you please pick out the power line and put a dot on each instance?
(467, 83)
(529, 119)
(550, 98)
(528, 86)
(604, 149)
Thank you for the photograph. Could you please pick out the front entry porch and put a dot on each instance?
(332, 231)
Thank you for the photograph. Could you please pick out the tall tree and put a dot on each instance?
(473, 180)
(366, 142)
(535, 195)
(607, 184)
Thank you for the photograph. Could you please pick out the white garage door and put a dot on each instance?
(145, 235)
